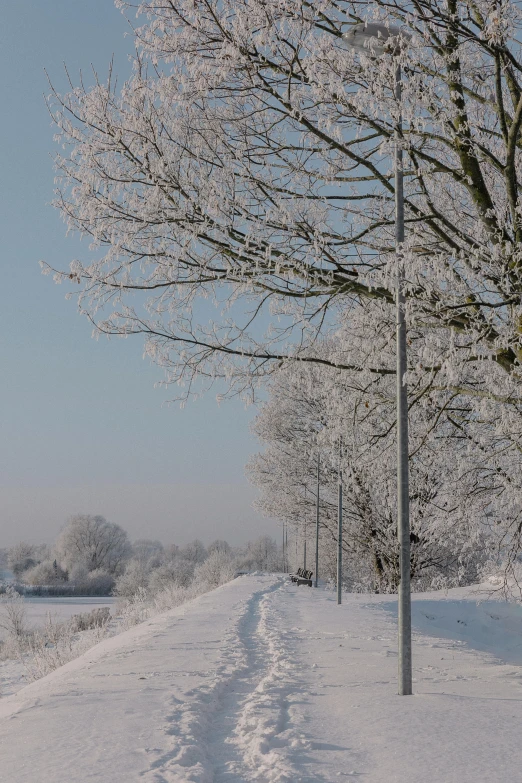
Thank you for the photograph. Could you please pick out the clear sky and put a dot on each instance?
(82, 427)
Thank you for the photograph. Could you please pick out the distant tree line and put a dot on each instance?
(93, 556)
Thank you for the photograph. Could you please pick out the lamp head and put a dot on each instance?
(375, 38)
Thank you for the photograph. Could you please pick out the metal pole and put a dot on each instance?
(403, 511)
(286, 550)
(284, 553)
(304, 531)
(340, 530)
(317, 525)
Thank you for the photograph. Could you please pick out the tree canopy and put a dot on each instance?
(238, 188)
(91, 542)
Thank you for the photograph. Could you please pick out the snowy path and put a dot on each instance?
(223, 730)
(263, 681)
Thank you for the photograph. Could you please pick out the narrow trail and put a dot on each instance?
(244, 725)
(238, 734)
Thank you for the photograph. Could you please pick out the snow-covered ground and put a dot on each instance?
(13, 672)
(263, 681)
(37, 609)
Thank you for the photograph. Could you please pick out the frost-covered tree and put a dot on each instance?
(48, 572)
(148, 551)
(134, 578)
(217, 569)
(218, 546)
(175, 572)
(194, 552)
(171, 552)
(263, 554)
(23, 556)
(87, 581)
(93, 543)
(455, 491)
(238, 193)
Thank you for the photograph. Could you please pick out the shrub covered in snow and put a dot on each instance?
(135, 608)
(134, 578)
(172, 596)
(86, 621)
(13, 615)
(179, 572)
(23, 556)
(85, 582)
(58, 643)
(48, 572)
(218, 568)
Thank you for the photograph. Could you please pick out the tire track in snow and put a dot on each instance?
(243, 725)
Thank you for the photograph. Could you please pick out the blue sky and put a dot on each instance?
(82, 427)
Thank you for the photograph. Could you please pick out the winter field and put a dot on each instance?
(38, 608)
(262, 681)
(13, 672)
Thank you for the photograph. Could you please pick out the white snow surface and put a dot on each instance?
(38, 608)
(261, 680)
(13, 673)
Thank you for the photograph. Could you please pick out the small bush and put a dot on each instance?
(49, 572)
(134, 578)
(86, 621)
(217, 569)
(13, 615)
(135, 610)
(178, 571)
(97, 582)
(57, 644)
(172, 596)
(100, 582)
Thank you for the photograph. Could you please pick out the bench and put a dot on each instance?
(302, 577)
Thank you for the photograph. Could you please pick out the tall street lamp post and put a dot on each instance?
(377, 40)
(317, 522)
(304, 531)
(340, 526)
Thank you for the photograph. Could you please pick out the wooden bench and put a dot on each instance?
(302, 577)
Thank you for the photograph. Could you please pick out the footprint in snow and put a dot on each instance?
(189, 756)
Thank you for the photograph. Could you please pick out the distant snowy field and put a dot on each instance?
(37, 609)
(262, 681)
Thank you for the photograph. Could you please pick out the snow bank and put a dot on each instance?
(471, 617)
(262, 681)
